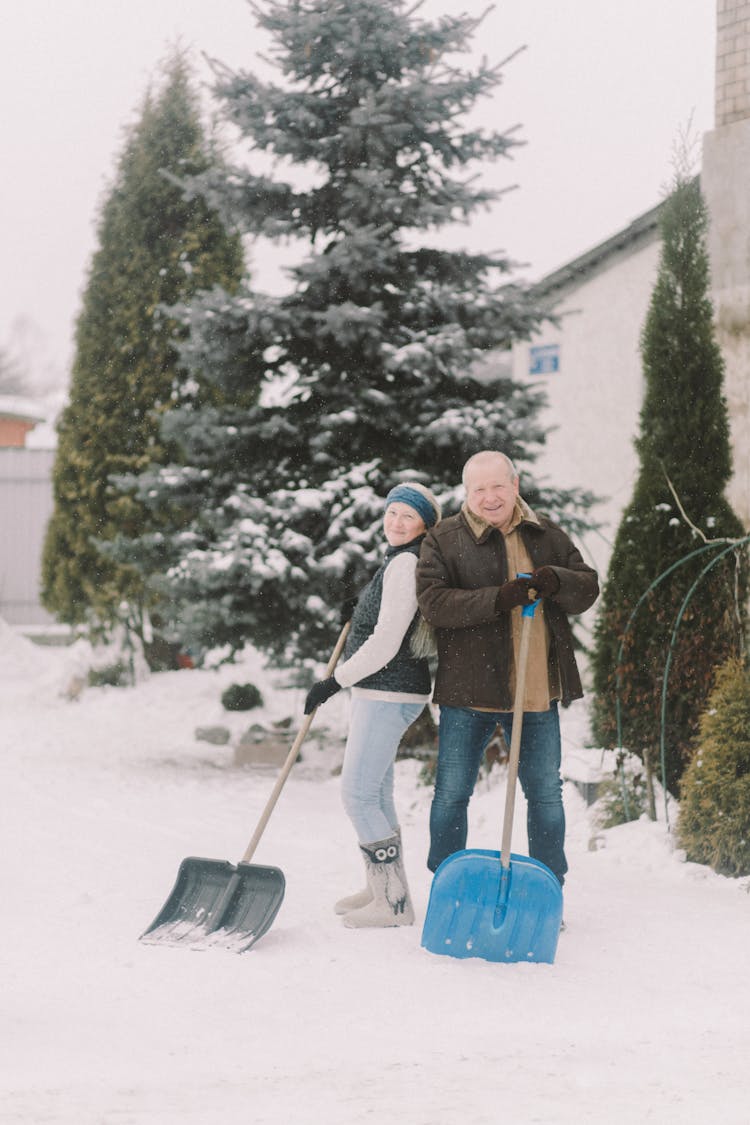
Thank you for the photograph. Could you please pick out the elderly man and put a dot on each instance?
(468, 590)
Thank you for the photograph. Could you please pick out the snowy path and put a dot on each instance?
(645, 1015)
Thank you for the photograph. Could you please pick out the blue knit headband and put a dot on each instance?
(403, 494)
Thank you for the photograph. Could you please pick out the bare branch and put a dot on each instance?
(689, 522)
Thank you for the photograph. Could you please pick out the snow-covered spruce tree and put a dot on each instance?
(364, 365)
(153, 247)
(683, 441)
(714, 819)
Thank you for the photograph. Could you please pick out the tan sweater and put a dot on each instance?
(538, 691)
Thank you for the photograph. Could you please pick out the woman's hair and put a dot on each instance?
(423, 641)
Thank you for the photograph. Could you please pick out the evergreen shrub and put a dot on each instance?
(155, 247)
(714, 820)
(622, 797)
(678, 501)
(496, 753)
(420, 739)
(241, 697)
(110, 675)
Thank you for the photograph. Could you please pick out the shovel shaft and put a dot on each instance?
(515, 740)
(291, 757)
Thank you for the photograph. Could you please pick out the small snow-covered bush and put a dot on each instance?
(116, 674)
(612, 808)
(714, 821)
(241, 697)
(420, 739)
(496, 751)
(622, 796)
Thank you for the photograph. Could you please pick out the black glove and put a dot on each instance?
(513, 593)
(319, 692)
(545, 581)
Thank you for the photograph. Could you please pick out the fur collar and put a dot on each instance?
(480, 528)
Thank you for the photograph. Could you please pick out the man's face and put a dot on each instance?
(491, 491)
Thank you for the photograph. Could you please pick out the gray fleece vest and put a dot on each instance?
(404, 673)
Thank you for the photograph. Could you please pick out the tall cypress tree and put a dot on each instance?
(683, 441)
(155, 247)
(363, 369)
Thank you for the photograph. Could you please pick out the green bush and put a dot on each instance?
(683, 451)
(496, 753)
(420, 739)
(714, 820)
(241, 697)
(622, 796)
(110, 675)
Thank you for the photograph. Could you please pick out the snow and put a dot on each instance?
(14, 406)
(643, 1016)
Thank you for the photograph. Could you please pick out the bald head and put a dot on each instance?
(485, 459)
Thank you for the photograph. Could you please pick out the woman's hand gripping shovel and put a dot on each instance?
(495, 905)
(214, 902)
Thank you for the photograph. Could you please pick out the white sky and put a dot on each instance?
(602, 92)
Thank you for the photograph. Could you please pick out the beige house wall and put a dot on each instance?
(594, 399)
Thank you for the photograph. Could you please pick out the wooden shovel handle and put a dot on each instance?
(515, 738)
(292, 755)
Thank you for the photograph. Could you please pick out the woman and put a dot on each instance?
(390, 687)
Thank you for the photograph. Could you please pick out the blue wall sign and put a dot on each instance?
(544, 359)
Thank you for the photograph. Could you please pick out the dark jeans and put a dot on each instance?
(464, 735)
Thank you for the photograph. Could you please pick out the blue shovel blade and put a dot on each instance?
(477, 909)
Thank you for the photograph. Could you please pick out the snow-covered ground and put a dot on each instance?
(644, 1016)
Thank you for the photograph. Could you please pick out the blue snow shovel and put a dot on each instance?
(217, 904)
(496, 905)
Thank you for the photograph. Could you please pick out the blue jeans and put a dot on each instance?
(464, 735)
(375, 730)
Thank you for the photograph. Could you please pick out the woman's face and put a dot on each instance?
(402, 524)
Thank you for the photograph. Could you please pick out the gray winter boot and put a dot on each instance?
(386, 878)
(353, 902)
(360, 898)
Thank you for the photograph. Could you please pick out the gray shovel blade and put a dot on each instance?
(250, 905)
(213, 903)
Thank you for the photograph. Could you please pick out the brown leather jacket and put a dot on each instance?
(457, 579)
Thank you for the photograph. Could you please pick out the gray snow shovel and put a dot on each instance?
(217, 904)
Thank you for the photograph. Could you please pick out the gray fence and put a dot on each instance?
(25, 508)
